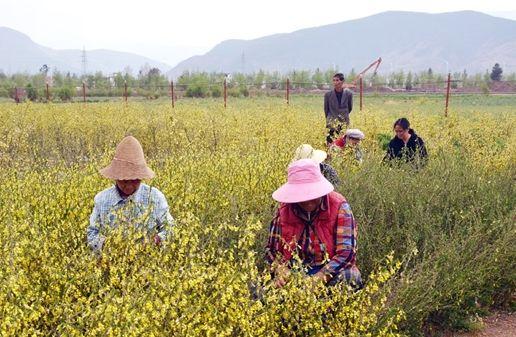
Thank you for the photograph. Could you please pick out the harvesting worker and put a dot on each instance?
(406, 146)
(129, 199)
(350, 140)
(306, 151)
(338, 104)
(315, 224)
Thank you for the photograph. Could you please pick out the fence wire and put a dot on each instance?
(225, 89)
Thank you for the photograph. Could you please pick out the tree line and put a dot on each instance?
(152, 83)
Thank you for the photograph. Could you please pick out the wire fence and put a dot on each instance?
(225, 90)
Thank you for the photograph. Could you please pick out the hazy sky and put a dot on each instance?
(170, 31)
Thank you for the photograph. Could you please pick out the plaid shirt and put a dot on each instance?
(345, 243)
(146, 208)
(330, 174)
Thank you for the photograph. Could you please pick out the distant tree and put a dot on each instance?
(300, 79)
(408, 81)
(430, 74)
(456, 78)
(351, 76)
(259, 78)
(32, 93)
(416, 81)
(65, 93)
(496, 73)
(318, 78)
(58, 78)
(274, 79)
(487, 76)
(119, 80)
(464, 78)
(399, 79)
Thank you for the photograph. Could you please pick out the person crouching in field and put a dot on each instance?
(315, 224)
(406, 146)
(351, 140)
(306, 151)
(129, 199)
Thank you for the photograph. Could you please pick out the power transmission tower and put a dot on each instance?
(84, 61)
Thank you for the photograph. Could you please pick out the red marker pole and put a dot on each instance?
(361, 92)
(447, 95)
(125, 92)
(172, 92)
(84, 92)
(48, 93)
(225, 93)
(287, 94)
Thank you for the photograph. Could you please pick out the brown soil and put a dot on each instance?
(499, 324)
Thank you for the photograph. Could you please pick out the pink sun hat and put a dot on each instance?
(305, 182)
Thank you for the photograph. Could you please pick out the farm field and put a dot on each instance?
(436, 246)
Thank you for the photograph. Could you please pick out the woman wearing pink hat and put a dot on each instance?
(314, 223)
(129, 199)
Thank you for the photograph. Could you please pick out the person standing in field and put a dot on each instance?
(406, 146)
(338, 104)
(350, 140)
(315, 224)
(306, 151)
(129, 201)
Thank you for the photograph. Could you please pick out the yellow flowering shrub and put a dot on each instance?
(449, 225)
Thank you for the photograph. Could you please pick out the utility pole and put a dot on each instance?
(83, 61)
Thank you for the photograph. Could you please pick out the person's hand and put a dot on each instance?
(282, 275)
(321, 277)
(279, 282)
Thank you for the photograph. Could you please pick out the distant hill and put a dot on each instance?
(405, 40)
(18, 53)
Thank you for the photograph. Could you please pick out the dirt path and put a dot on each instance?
(500, 324)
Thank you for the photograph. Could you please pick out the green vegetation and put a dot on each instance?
(435, 246)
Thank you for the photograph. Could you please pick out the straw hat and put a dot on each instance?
(306, 151)
(305, 182)
(129, 162)
(355, 133)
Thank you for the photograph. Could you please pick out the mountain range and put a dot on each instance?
(18, 53)
(405, 40)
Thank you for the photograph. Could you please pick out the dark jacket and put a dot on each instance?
(334, 112)
(414, 149)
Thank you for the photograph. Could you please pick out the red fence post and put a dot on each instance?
(225, 93)
(361, 92)
(125, 91)
(16, 97)
(48, 93)
(287, 94)
(447, 95)
(84, 92)
(172, 92)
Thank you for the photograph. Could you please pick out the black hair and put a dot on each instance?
(340, 76)
(403, 123)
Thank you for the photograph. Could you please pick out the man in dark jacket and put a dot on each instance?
(338, 104)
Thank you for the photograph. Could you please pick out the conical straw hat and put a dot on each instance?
(129, 162)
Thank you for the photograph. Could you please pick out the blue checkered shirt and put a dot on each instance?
(146, 208)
